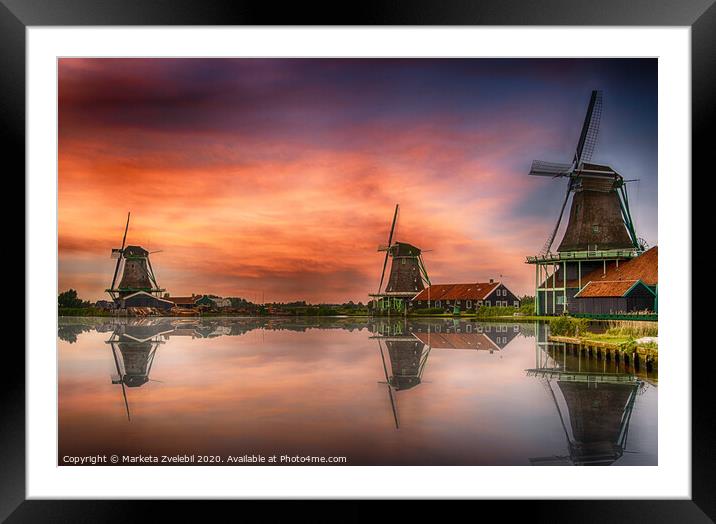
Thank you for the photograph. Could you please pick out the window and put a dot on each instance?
(469, 304)
(437, 303)
(487, 303)
(595, 228)
(517, 303)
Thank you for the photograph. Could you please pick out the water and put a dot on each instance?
(377, 392)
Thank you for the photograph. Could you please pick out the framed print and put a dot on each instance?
(413, 254)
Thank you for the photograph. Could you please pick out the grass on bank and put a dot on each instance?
(623, 333)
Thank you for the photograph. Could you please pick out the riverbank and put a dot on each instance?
(621, 348)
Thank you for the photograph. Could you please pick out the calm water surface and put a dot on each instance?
(378, 392)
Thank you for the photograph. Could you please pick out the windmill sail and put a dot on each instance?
(599, 217)
(387, 250)
(590, 129)
(120, 252)
(553, 169)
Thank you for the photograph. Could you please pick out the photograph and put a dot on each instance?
(357, 261)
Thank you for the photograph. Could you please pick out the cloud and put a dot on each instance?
(280, 176)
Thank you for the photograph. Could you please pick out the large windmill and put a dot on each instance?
(137, 272)
(599, 218)
(600, 230)
(408, 275)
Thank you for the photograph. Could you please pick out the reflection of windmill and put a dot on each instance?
(137, 272)
(134, 347)
(407, 356)
(407, 277)
(599, 217)
(594, 409)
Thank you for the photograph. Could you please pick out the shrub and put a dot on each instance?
(568, 326)
(494, 311)
(429, 311)
(633, 328)
(69, 299)
(527, 309)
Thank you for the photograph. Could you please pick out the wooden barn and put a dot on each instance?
(614, 297)
(144, 299)
(184, 302)
(619, 288)
(467, 297)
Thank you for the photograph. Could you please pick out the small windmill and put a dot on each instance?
(137, 272)
(599, 217)
(408, 275)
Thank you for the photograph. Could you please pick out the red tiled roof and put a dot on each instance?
(476, 291)
(606, 288)
(183, 300)
(645, 267)
(476, 341)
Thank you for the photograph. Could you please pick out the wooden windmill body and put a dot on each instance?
(407, 276)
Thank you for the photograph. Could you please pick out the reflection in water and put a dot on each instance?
(409, 342)
(452, 391)
(594, 402)
(134, 346)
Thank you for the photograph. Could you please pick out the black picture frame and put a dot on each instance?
(16, 15)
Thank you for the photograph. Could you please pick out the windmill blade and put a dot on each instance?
(126, 228)
(382, 275)
(590, 129)
(392, 226)
(119, 258)
(387, 252)
(551, 169)
(548, 244)
(121, 381)
(390, 389)
(126, 402)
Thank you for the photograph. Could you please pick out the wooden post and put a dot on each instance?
(554, 291)
(564, 287)
(537, 288)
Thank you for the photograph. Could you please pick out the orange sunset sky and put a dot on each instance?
(278, 177)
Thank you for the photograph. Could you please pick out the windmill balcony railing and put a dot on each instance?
(583, 255)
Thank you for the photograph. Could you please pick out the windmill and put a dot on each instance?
(137, 272)
(599, 218)
(407, 355)
(594, 406)
(408, 275)
(134, 346)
